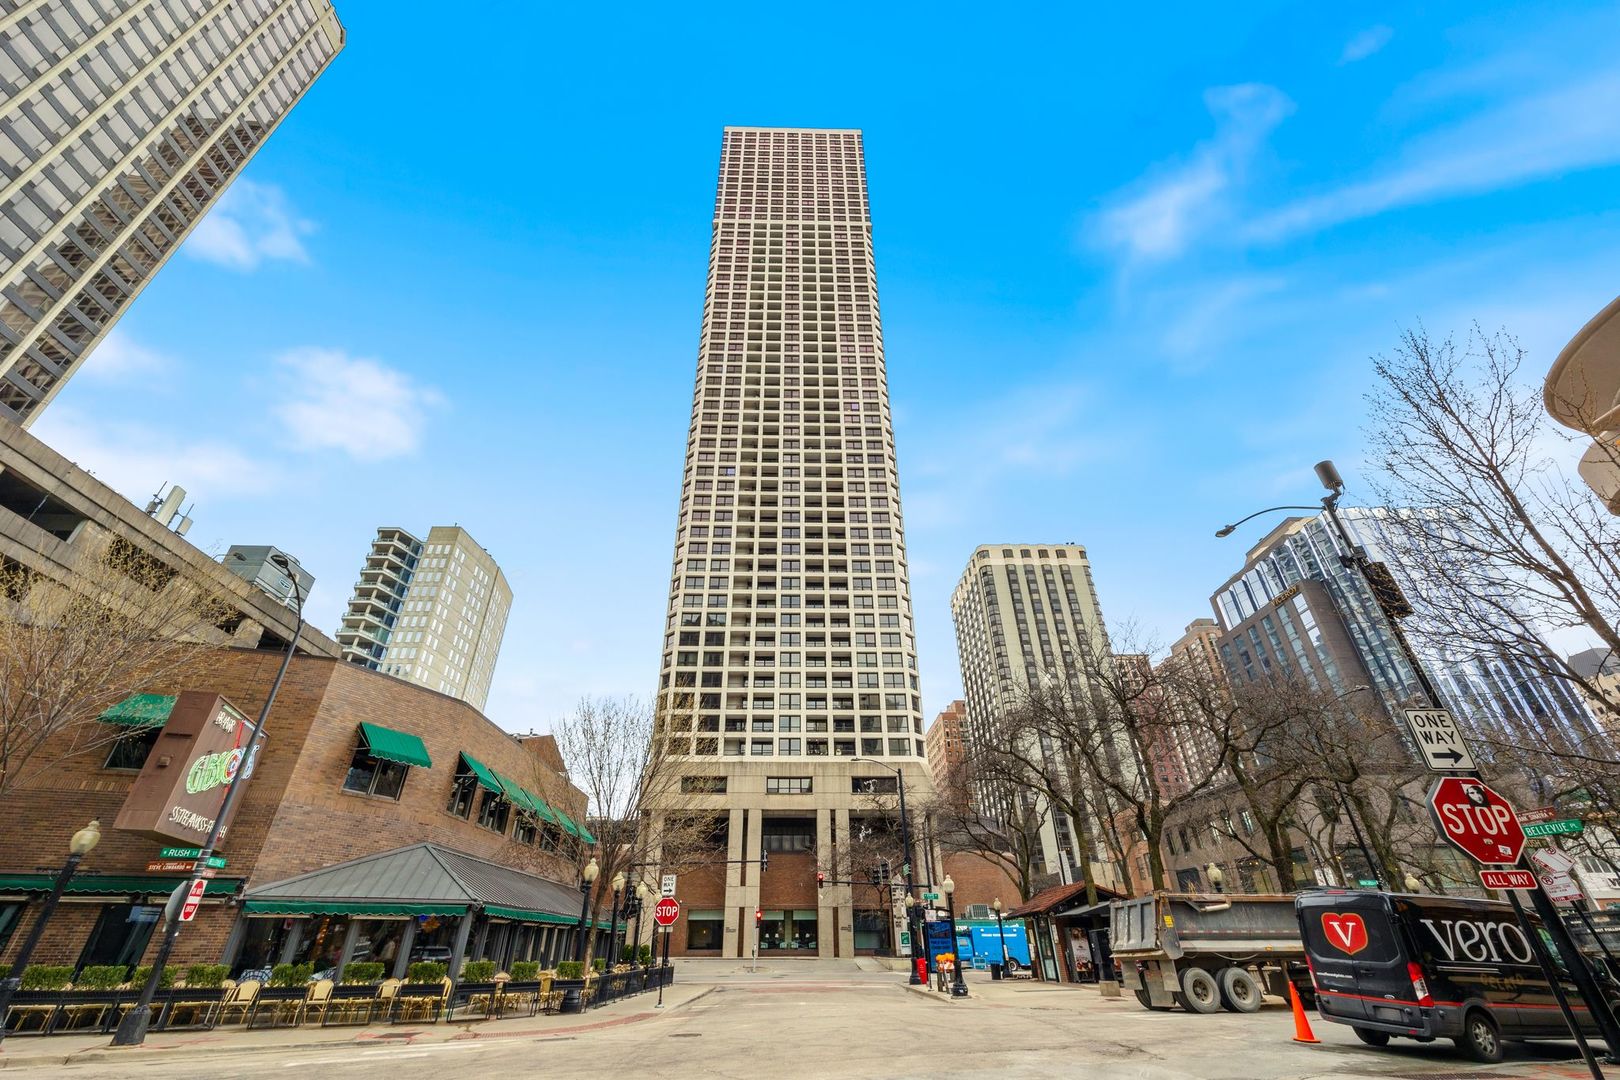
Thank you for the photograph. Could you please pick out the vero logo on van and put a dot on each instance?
(1347, 933)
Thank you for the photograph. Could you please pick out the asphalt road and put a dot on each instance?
(785, 1024)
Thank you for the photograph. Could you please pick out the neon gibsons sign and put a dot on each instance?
(1480, 941)
(213, 770)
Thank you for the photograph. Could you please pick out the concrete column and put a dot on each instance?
(402, 959)
(289, 948)
(233, 943)
(741, 886)
(481, 941)
(347, 951)
(844, 913)
(826, 914)
(458, 951)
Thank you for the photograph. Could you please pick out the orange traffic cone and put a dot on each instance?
(1302, 1026)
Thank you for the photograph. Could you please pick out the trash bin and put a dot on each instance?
(996, 974)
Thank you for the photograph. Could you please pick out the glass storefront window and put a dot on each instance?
(788, 930)
(120, 935)
(705, 929)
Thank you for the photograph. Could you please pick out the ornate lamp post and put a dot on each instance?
(587, 879)
(84, 841)
(620, 897)
(643, 894)
(958, 984)
(1001, 931)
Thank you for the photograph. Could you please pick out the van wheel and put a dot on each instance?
(1371, 1037)
(1481, 1040)
(1199, 991)
(1146, 1001)
(1240, 991)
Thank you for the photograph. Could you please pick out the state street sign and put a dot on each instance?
(1476, 820)
(1439, 740)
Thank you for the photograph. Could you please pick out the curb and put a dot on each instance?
(463, 1031)
(930, 995)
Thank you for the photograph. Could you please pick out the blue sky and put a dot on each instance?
(1132, 265)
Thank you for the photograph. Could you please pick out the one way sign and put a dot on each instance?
(1438, 740)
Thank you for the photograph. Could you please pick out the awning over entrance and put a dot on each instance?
(110, 884)
(390, 745)
(141, 711)
(422, 879)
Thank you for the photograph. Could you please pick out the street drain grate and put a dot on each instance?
(686, 1035)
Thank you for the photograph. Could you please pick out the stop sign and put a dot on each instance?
(666, 911)
(1476, 820)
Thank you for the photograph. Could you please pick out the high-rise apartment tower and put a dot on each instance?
(789, 671)
(1024, 614)
(121, 123)
(432, 612)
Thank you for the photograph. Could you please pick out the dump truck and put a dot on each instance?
(1207, 951)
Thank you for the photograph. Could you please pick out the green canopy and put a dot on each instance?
(486, 776)
(141, 710)
(111, 884)
(399, 746)
(349, 907)
(524, 799)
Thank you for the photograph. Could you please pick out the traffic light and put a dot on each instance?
(764, 860)
(759, 916)
(821, 878)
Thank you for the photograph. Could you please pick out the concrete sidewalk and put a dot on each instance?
(21, 1051)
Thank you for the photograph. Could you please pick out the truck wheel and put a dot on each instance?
(1371, 1037)
(1481, 1040)
(1240, 991)
(1146, 1001)
(1199, 991)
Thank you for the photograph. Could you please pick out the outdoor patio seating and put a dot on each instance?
(276, 1006)
(354, 1003)
(419, 1001)
(239, 1001)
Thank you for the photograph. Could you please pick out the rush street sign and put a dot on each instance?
(181, 852)
(1476, 820)
(1507, 879)
(1439, 741)
(666, 911)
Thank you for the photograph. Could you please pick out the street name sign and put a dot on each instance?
(1508, 879)
(666, 911)
(1567, 827)
(194, 895)
(666, 885)
(1476, 820)
(1540, 813)
(1439, 740)
(930, 896)
(180, 852)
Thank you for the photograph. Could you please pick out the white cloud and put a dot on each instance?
(1163, 215)
(135, 459)
(120, 358)
(1569, 127)
(358, 406)
(1366, 43)
(251, 224)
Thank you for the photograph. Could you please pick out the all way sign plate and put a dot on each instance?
(1439, 740)
(1507, 879)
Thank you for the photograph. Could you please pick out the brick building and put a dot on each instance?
(946, 750)
(333, 784)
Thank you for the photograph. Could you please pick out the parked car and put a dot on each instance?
(1428, 967)
(437, 954)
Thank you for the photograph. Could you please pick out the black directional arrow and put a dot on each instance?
(1452, 754)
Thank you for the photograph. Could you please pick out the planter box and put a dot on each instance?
(349, 1001)
(572, 992)
(283, 1004)
(519, 998)
(467, 994)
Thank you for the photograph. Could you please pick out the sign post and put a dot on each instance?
(665, 912)
(1439, 740)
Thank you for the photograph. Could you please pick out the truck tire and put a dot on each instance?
(1200, 993)
(1146, 1002)
(1481, 1039)
(1371, 1037)
(1240, 991)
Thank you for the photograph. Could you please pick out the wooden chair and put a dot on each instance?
(420, 1001)
(317, 1000)
(239, 1002)
(550, 1000)
(38, 1006)
(354, 1003)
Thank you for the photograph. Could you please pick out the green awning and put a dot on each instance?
(585, 834)
(485, 776)
(524, 799)
(522, 915)
(390, 745)
(567, 823)
(342, 907)
(110, 884)
(141, 710)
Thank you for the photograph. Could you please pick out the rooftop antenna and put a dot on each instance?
(157, 499)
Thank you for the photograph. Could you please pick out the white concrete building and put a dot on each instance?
(432, 612)
(121, 123)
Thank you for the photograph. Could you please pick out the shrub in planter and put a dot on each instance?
(425, 971)
(570, 969)
(363, 972)
(46, 976)
(644, 954)
(291, 974)
(206, 976)
(525, 970)
(599, 963)
(101, 977)
(478, 971)
(138, 977)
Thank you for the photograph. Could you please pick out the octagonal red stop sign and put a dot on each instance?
(666, 911)
(1476, 820)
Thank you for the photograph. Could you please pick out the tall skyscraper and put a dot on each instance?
(1025, 614)
(431, 612)
(789, 650)
(121, 123)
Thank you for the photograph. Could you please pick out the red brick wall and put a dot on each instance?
(980, 880)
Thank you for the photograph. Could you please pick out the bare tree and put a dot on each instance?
(69, 651)
(962, 825)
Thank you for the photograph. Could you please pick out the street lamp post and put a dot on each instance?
(620, 897)
(1217, 877)
(913, 978)
(643, 894)
(587, 879)
(84, 841)
(958, 984)
(132, 1028)
(1001, 932)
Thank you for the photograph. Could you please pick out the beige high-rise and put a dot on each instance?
(432, 612)
(121, 123)
(1025, 613)
(789, 648)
